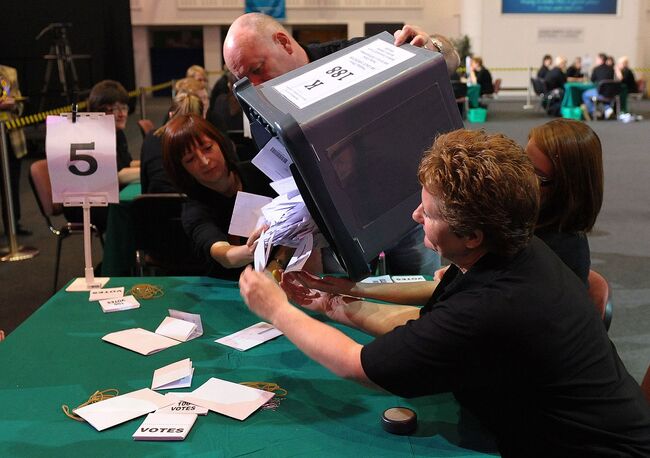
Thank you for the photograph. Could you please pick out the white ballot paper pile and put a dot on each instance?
(165, 427)
(175, 375)
(178, 327)
(290, 224)
(251, 336)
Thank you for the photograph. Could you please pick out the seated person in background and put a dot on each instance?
(574, 72)
(601, 72)
(556, 77)
(202, 164)
(609, 61)
(198, 73)
(509, 329)
(625, 75)
(547, 61)
(567, 156)
(196, 87)
(481, 76)
(153, 177)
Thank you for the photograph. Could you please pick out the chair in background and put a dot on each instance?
(601, 296)
(539, 86)
(39, 178)
(162, 247)
(640, 89)
(645, 385)
(460, 93)
(496, 87)
(609, 92)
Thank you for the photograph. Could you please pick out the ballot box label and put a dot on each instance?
(341, 73)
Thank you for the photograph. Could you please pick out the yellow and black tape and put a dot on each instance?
(40, 117)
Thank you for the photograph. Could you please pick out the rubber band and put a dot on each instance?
(95, 397)
(274, 402)
(146, 291)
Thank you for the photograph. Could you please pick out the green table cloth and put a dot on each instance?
(57, 357)
(573, 95)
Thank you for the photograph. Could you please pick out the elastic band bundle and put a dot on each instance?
(95, 397)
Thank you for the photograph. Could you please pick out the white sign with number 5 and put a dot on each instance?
(81, 157)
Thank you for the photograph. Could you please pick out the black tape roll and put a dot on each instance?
(399, 420)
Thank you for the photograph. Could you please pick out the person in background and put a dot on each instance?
(260, 48)
(194, 86)
(547, 61)
(625, 75)
(574, 72)
(556, 77)
(11, 107)
(601, 72)
(198, 73)
(510, 330)
(481, 76)
(568, 160)
(609, 61)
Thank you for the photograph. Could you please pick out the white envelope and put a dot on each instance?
(113, 411)
(106, 293)
(164, 427)
(247, 213)
(408, 278)
(181, 407)
(176, 329)
(140, 340)
(227, 398)
(118, 304)
(250, 336)
(175, 375)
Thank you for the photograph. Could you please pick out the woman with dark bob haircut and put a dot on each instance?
(200, 162)
(568, 161)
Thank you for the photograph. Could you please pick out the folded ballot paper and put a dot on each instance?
(251, 336)
(181, 407)
(178, 327)
(175, 375)
(113, 411)
(227, 398)
(165, 427)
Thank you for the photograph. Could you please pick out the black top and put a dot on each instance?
(521, 346)
(153, 177)
(123, 156)
(555, 79)
(629, 81)
(206, 216)
(541, 73)
(574, 72)
(602, 72)
(484, 79)
(317, 50)
(572, 248)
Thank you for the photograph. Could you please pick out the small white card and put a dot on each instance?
(181, 326)
(182, 407)
(113, 411)
(247, 213)
(140, 340)
(106, 293)
(165, 427)
(80, 284)
(273, 160)
(408, 278)
(119, 304)
(175, 375)
(227, 398)
(251, 336)
(380, 279)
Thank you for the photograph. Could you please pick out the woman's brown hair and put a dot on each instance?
(576, 192)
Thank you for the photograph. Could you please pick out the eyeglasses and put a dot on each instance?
(110, 109)
(544, 181)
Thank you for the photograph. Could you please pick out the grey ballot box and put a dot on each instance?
(355, 124)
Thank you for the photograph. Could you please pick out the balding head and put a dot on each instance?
(260, 48)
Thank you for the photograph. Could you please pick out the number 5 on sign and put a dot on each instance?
(81, 158)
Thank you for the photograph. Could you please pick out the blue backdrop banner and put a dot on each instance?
(273, 8)
(559, 6)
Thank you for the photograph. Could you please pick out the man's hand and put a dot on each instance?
(413, 35)
(333, 285)
(296, 285)
(262, 295)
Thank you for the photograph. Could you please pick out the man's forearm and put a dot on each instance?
(370, 317)
(415, 293)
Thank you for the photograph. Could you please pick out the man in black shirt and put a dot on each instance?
(556, 77)
(510, 330)
(601, 72)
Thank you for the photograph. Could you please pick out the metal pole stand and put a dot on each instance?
(13, 252)
(528, 105)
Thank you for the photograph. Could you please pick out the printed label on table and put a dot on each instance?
(341, 73)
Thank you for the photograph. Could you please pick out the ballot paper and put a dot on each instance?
(113, 411)
(227, 398)
(175, 375)
(106, 293)
(379, 279)
(140, 340)
(181, 407)
(176, 328)
(408, 278)
(119, 304)
(181, 326)
(285, 186)
(251, 336)
(302, 253)
(247, 213)
(273, 160)
(165, 427)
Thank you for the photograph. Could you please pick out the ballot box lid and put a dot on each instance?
(356, 124)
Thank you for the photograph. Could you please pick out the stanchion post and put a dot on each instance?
(143, 108)
(528, 105)
(14, 253)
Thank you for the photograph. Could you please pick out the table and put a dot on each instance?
(57, 357)
(573, 95)
(119, 243)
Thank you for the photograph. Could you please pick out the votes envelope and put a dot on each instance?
(165, 427)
